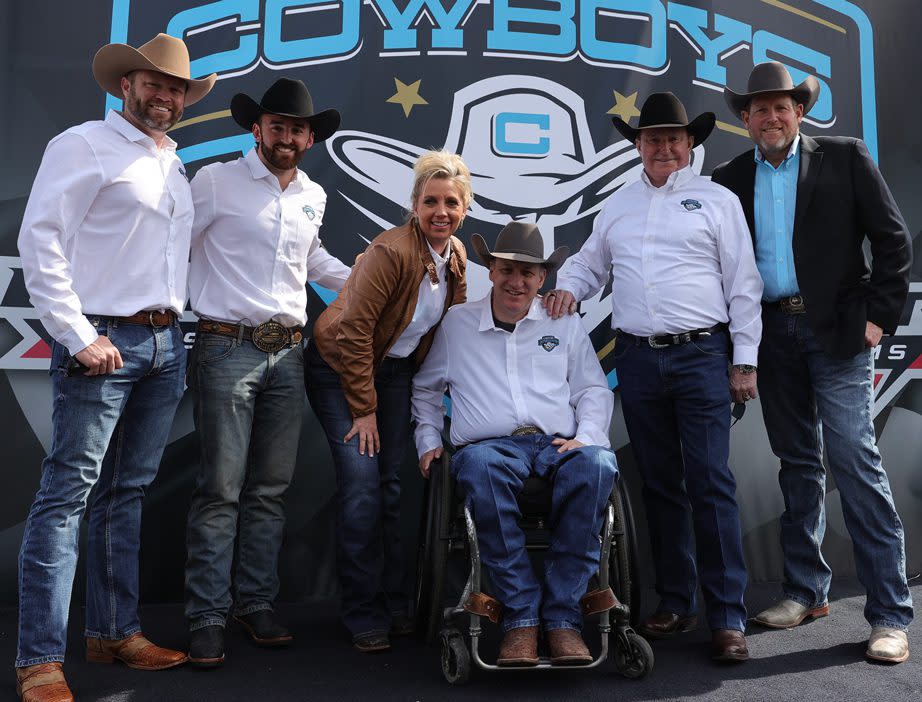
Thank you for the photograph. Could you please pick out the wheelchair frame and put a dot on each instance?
(633, 657)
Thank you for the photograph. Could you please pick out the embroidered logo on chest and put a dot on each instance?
(309, 211)
(691, 205)
(548, 343)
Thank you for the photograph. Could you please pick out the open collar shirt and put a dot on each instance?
(256, 246)
(430, 304)
(544, 373)
(106, 229)
(773, 211)
(680, 258)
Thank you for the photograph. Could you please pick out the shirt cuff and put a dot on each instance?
(427, 439)
(593, 437)
(79, 337)
(745, 355)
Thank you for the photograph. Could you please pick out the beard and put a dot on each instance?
(158, 121)
(282, 161)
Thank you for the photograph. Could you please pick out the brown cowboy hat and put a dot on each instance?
(520, 241)
(666, 110)
(288, 98)
(773, 77)
(163, 53)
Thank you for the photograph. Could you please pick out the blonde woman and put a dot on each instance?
(366, 347)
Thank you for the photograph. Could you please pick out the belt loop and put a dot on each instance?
(239, 335)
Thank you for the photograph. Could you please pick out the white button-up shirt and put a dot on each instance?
(429, 306)
(255, 246)
(106, 229)
(680, 258)
(544, 373)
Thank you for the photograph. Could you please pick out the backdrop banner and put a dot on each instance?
(524, 91)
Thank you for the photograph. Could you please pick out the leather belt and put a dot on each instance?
(795, 304)
(270, 336)
(663, 341)
(149, 318)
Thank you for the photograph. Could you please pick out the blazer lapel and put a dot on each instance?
(811, 159)
(747, 195)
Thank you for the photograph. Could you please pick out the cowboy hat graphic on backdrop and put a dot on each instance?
(527, 143)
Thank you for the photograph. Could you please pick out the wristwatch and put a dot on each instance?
(745, 368)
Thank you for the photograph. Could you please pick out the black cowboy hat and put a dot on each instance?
(773, 77)
(288, 98)
(666, 110)
(520, 241)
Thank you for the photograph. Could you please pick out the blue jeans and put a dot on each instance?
(491, 474)
(370, 558)
(676, 404)
(249, 406)
(810, 398)
(108, 431)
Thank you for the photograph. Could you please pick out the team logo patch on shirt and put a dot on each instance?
(691, 205)
(548, 343)
(309, 211)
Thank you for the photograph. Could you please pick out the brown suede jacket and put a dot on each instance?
(377, 303)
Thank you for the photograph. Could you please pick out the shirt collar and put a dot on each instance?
(791, 152)
(535, 311)
(438, 260)
(132, 133)
(675, 180)
(258, 169)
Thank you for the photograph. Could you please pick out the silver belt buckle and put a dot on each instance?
(271, 337)
(651, 340)
(525, 430)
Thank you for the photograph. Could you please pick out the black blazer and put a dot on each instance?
(841, 199)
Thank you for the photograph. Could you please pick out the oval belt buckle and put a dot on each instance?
(271, 337)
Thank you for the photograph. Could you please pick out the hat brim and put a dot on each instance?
(113, 61)
(700, 127)
(246, 111)
(551, 263)
(806, 94)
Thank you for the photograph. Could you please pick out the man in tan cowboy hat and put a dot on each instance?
(810, 204)
(528, 398)
(685, 309)
(255, 245)
(105, 245)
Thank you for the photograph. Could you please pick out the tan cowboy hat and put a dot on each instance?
(666, 110)
(773, 77)
(163, 53)
(520, 241)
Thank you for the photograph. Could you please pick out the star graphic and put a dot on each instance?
(625, 107)
(407, 96)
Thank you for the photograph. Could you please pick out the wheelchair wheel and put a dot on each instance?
(456, 659)
(432, 555)
(623, 567)
(633, 655)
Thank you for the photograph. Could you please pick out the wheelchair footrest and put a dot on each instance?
(599, 601)
(485, 606)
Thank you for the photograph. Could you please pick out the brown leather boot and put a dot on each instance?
(519, 647)
(43, 683)
(567, 647)
(135, 652)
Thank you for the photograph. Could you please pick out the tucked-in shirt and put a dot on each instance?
(429, 306)
(544, 373)
(255, 246)
(680, 258)
(106, 229)
(773, 207)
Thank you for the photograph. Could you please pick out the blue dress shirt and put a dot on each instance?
(775, 197)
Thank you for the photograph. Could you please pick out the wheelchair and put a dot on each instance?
(447, 528)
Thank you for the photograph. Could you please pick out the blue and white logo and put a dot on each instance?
(548, 343)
